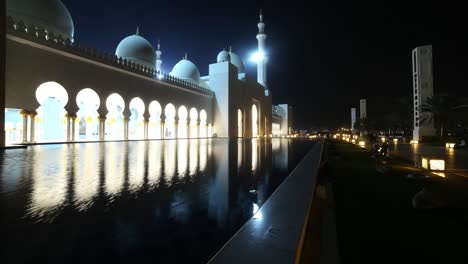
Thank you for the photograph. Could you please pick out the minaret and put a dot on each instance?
(262, 58)
(158, 58)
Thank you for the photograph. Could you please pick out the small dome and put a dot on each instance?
(223, 56)
(52, 15)
(186, 70)
(137, 49)
(237, 61)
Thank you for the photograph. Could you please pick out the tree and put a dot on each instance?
(439, 109)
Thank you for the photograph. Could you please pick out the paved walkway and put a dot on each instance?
(456, 160)
(376, 220)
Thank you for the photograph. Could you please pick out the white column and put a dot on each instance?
(126, 121)
(32, 115)
(102, 128)
(176, 128)
(162, 129)
(73, 134)
(25, 114)
(68, 128)
(145, 128)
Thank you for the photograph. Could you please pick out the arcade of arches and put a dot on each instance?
(52, 123)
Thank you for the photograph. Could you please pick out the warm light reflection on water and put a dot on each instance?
(50, 183)
(113, 199)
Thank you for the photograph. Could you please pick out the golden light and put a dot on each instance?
(362, 144)
(353, 141)
(437, 165)
(440, 174)
(395, 140)
(383, 139)
(450, 145)
(414, 142)
(425, 163)
(433, 164)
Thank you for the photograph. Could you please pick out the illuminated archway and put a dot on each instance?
(239, 123)
(51, 123)
(136, 126)
(203, 124)
(154, 126)
(13, 126)
(169, 127)
(87, 122)
(115, 105)
(254, 121)
(193, 123)
(183, 114)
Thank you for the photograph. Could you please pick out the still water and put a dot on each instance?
(135, 202)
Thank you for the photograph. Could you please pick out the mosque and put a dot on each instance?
(57, 90)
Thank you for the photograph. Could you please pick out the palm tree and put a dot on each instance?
(439, 109)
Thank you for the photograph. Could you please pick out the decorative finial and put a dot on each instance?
(138, 31)
(159, 44)
(230, 48)
(261, 15)
(185, 58)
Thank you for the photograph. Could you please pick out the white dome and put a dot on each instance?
(223, 56)
(137, 49)
(52, 15)
(237, 61)
(186, 70)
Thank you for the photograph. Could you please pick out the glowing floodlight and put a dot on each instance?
(257, 56)
(414, 142)
(433, 164)
(353, 141)
(450, 145)
(362, 144)
(160, 76)
(395, 140)
(425, 163)
(383, 139)
(440, 174)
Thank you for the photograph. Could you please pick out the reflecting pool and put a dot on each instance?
(173, 201)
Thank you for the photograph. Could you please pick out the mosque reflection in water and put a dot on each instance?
(163, 200)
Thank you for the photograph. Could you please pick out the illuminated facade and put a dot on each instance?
(60, 91)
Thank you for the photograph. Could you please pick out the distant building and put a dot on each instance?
(282, 120)
(363, 108)
(422, 89)
(353, 118)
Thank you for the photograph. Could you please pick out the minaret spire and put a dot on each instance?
(262, 56)
(158, 57)
(137, 31)
(185, 57)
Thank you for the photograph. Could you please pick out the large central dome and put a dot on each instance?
(52, 15)
(137, 49)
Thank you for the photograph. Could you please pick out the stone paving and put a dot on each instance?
(456, 160)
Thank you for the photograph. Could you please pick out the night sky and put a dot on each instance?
(323, 58)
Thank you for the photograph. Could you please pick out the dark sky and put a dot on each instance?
(324, 56)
